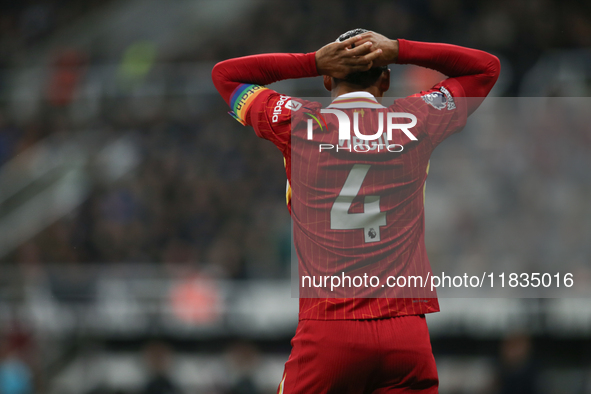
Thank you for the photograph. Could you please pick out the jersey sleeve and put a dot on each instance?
(440, 111)
(267, 111)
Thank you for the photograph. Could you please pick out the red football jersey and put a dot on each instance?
(357, 212)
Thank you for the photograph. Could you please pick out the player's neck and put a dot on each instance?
(344, 87)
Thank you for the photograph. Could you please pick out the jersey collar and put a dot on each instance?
(355, 100)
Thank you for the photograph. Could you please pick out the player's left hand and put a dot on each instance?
(339, 59)
(389, 47)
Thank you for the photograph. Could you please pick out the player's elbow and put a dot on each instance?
(219, 76)
(493, 68)
(489, 75)
(217, 72)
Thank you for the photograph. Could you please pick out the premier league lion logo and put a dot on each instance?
(436, 99)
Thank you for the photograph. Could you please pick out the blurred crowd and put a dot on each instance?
(519, 31)
(160, 367)
(208, 194)
(157, 369)
(25, 24)
(206, 190)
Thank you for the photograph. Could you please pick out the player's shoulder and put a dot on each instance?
(282, 108)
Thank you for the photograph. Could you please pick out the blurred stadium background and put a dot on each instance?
(144, 241)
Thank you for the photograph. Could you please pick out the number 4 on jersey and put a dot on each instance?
(370, 220)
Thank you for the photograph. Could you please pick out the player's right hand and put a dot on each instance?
(339, 59)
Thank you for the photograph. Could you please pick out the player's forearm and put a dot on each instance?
(451, 60)
(476, 70)
(261, 70)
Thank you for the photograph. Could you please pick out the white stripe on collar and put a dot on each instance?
(356, 104)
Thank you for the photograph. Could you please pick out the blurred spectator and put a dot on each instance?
(73, 283)
(9, 137)
(518, 371)
(195, 299)
(158, 358)
(67, 71)
(137, 62)
(242, 360)
(16, 376)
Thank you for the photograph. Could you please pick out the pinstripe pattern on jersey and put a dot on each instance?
(402, 184)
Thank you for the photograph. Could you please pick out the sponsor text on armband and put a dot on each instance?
(242, 99)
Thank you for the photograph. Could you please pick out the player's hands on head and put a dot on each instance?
(339, 59)
(389, 47)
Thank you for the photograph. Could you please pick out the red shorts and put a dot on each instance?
(361, 356)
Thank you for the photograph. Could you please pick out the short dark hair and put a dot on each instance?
(364, 79)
